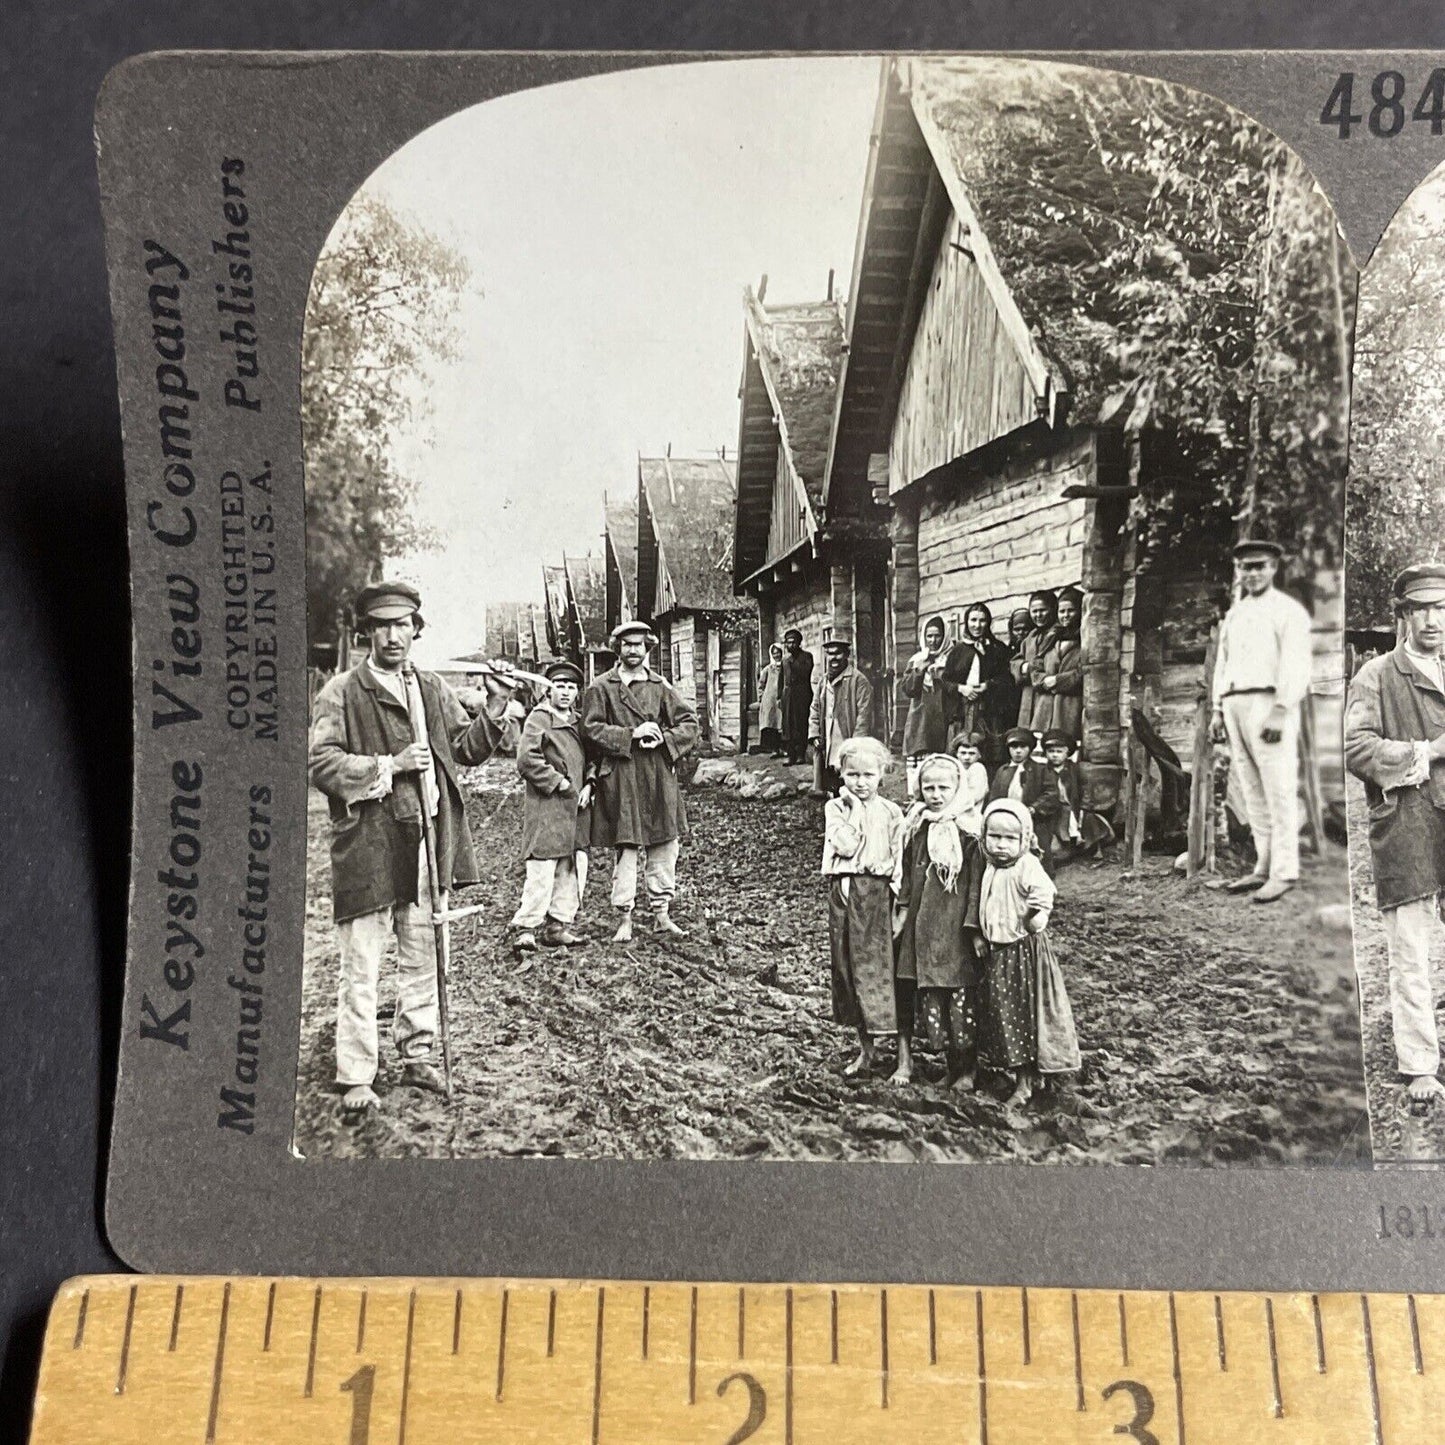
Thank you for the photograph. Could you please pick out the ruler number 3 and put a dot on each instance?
(1143, 1401)
(757, 1407)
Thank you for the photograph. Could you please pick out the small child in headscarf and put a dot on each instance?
(936, 922)
(1027, 1027)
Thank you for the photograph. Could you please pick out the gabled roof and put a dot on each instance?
(619, 521)
(554, 585)
(685, 533)
(793, 356)
(585, 594)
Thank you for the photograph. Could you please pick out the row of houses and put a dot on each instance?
(953, 433)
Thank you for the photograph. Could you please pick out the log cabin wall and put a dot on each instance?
(702, 695)
(805, 602)
(903, 601)
(788, 519)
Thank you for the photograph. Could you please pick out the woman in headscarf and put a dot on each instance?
(1058, 673)
(1027, 1024)
(977, 677)
(1044, 610)
(770, 703)
(1020, 624)
(936, 925)
(931, 705)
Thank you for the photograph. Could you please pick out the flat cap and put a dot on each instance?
(1246, 545)
(629, 629)
(387, 601)
(1018, 735)
(560, 670)
(837, 644)
(1055, 737)
(1420, 583)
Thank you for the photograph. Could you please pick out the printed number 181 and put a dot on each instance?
(1386, 115)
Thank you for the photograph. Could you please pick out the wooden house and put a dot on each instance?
(586, 623)
(684, 589)
(556, 631)
(814, 561)
(619, 559)
(992, 377)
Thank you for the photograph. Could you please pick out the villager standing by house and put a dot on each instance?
(555, 819)
(770, 703)
(978, 678)
(638, 727)
(863, 862)
(1020, 624)
(931, 706)
(386, 742)
(1044, 610)
(1260, 680)
(1058, 674)
(1395, 742)
(842, 709)
(796, 701)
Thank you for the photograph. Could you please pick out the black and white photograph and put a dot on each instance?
(1395, 718)
(827, 630)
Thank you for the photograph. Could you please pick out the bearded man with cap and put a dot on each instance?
(386, 742)
(1395, 743)
(638, 727)
(842, 709)
(1261, 676)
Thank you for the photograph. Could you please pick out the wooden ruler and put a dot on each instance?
(156, 1360)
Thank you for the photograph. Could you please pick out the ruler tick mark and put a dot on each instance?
(406, 1369)
(883, 1346)
(932, 1331)
(1414, 1333)
(457, 1323)
(125, 1343)
(1178, 1376)
(1123, 1332)
(1319, 1334)
(1028, 1339)
(692, 1350)
(835, 1327)
(1219, 1333)
(311, 1348)
(360, 1321)
(597, 1362)
(788, 1360)
(80, 1314)
(176, 1318)
(742, 1322)
(646, 1313)
(502, 1348)
(1278, 1404)
(214, 1414)
(270, 1315)
(551, 1321)
(982, 1370)
(1370, 1364)
(1078, 1353)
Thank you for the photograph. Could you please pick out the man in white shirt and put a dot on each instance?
(1261, 677)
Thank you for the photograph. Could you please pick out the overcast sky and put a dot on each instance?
(611, 225)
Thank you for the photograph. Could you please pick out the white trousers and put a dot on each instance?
(363, 943)
(1409, 930)
(553, 889)
(660, 871)
(1269, 779)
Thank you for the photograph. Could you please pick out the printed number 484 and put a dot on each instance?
(1386, 116)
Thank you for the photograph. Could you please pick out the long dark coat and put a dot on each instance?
(931, 712)
(1034, 708)
(549, 752)
(990, 713)
(1063, 706)
(1036, 776)
(637, 799)
(940, 943)
(1391, 708)
(797, 695)
(375, 841)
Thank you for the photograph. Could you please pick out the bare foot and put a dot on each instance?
(1023, 1091)
(357, 1102)
(1423, 1090)
(860, 1065)
(903, 1074)
(964, 1082)
(624, 930)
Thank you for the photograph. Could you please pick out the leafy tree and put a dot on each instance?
(379, 315)
(1395, 513)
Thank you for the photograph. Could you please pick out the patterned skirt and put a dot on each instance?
(1027, 1021)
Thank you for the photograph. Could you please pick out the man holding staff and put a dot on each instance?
(1395, 743)
(1260, 680)
(386, 741)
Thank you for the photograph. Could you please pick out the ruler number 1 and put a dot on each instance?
(1143, 1401)
(360, 1387)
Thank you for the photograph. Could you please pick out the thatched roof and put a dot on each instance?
(585, 593)
(685, 534)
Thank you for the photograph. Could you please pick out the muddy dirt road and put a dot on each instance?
(1213, 1031)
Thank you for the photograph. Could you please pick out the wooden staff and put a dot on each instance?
(1201, 777)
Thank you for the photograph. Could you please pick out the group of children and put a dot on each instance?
(942, 914)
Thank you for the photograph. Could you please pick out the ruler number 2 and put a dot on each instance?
(757, 1407)
(360, 1387)
(1143, 1401)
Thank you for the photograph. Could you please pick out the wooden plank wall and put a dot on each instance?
(787, 521)
(727, 681)
(702, 693)
(964, 385)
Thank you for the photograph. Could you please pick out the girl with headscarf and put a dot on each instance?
(1044, 610)
(1058, 673)
(931, 705)
(1027, 1024)
(977, 677)
(770, 703)
(936, 922)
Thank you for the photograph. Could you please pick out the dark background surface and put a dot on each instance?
(65, 698)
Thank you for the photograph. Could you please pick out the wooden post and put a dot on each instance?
(1201, 777)
(1309, 765)
(1139, 766)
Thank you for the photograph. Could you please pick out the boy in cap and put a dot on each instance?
(1395, 743)
(386, 742)
(842, 709)
(1261, 676)
(553, 765)
(1022, 777)
(638, 728)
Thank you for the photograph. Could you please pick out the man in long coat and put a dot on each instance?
(842, 709)
(638, 728)
(797, 694)
(1395, 742)
(386, 741)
